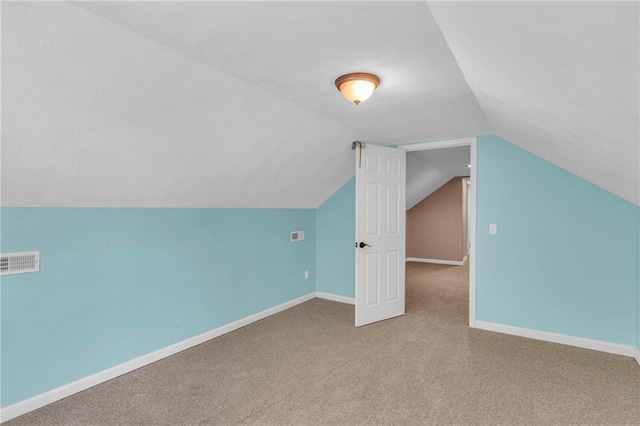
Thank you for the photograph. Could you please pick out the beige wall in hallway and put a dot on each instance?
(465, 224)
(436, 226)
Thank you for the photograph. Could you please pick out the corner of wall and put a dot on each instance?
(638, 286)
(335, 236)
(195, 262)
(558, 256)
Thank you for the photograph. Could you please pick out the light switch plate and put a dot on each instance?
(493, 228)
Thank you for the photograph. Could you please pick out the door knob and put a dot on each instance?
(363, 245)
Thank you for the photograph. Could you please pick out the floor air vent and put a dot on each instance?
(19, 263)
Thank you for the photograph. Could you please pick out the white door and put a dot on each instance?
(380, 236)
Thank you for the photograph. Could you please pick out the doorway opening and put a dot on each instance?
(441, 214)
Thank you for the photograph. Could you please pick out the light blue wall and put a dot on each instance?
(116, 284)
(565, 256)
(565, 259)
(335, 253)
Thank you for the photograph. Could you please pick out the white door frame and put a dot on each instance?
(452, 143)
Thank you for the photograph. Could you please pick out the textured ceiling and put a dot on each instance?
(560, 79)
(232, 104)
(95, 115)
(429, 170)
(297, 49)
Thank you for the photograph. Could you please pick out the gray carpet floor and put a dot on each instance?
(310, 365)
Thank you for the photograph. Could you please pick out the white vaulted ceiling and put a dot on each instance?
(232, 104)
(297, 49)
(560, 79)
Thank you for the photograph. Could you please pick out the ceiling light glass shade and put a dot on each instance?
(357, 87)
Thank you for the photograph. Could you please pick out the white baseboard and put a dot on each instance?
(53, 395)
(637, 357)
(38, 401)
(336, 298)
(438, 261)
(580, 342)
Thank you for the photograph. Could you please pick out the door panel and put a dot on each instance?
(380, 221)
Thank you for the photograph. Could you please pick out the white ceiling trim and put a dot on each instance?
(450, 143)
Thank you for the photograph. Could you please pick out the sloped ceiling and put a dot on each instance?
(298, 49)
(213, 104)
(429, 170)
(232, 104)
(560, 79)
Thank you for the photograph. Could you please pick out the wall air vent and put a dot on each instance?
(297, 236)
(19, 263)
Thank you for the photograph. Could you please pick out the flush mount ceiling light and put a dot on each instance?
(358, 86)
